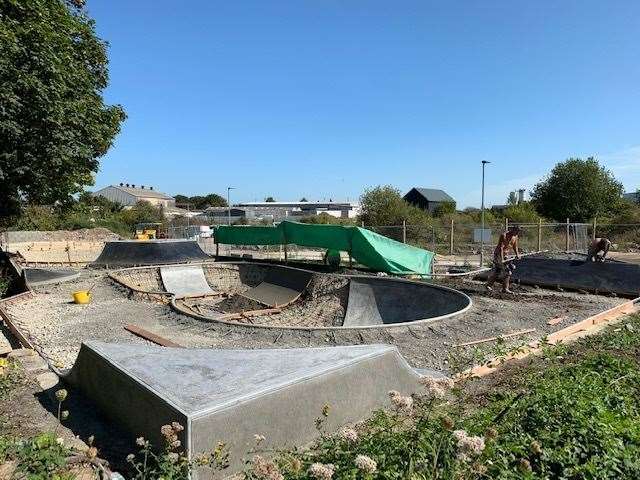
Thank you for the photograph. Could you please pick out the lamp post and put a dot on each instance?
(484, 162)
(229, 205)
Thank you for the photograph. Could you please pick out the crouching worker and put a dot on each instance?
(501, 270)
(597, 247)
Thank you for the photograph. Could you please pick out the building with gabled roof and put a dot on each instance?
(428, 198)
(128, 195)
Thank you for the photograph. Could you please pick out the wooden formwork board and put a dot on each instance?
(565, 335)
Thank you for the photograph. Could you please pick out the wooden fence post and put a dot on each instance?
(566, 243)
(506, 223)
(404, 231)
(451, 239)
(539, 234)
(595, 223)
(286, 258)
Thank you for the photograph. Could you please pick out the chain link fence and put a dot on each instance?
(454, 244)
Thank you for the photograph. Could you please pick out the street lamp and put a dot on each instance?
(229, 205)
(484, 162)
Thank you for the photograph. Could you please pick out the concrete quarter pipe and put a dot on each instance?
(608, 277)
(129, 253)
(231, 395)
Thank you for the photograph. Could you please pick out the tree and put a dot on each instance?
(523, 212)
(270, 199)
(200, 202)
(384, 205)
(577, 189)
(304, 199)
(54, 122)
(445, 208)
(512, 199)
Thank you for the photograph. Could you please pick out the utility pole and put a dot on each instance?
(229, 205)
(484, 163)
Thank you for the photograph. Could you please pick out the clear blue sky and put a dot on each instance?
(324, 98)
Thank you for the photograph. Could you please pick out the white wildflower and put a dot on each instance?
(349, 434)
(366, 464)
(320, 471)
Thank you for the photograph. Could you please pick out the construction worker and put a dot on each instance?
(501, 270)
(598, 245)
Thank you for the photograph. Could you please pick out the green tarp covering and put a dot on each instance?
(366, 247)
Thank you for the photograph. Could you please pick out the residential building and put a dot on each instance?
(428, 198)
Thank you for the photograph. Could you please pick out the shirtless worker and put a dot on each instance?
(501, 270)
(598, 245)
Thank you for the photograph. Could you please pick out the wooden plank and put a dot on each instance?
(561, 336)
(15, 331)
(493, 339)
(152, 337)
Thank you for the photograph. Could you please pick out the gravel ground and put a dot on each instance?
(59, 326)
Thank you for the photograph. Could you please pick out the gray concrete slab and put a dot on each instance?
(574, 273)
(185, 280)
(132, 253)
(280, 287)
(382, 301)
(40, 276)
(230, 395)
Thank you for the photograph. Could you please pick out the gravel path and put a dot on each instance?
(60, 326)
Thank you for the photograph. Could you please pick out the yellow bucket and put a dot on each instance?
(82, 297)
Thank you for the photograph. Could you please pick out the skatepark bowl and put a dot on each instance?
(275, 296)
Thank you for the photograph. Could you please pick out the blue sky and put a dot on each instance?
(325, 98)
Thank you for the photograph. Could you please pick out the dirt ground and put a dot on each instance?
(59, 326)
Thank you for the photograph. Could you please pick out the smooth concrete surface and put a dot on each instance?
(40, 276)
(383, 301)
(608, 277)
(185, 280)
(132, 253)
(230, 395)
(280, 287)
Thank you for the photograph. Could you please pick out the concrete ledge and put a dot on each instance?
(231, 395)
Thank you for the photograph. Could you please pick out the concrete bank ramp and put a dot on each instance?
(185, 280)
(231, 395)
(608, 277)
(132, 253)
(35, 277)
(381, 301)
(280, 287)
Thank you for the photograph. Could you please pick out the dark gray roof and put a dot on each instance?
(434, 195)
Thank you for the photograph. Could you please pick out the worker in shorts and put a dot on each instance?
(503, 270)
(598, 245)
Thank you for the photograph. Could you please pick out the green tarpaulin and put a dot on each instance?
(366, 247)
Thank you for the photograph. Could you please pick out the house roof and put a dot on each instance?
(433, 194)
(143, 192)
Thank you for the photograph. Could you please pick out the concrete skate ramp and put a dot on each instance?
(280, 287)
(608, 277)
(230, 395)
(185, 280)
(130, 253)
(382, 301)
(35, 277)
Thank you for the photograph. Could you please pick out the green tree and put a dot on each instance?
(270, 199)
(54, 122)
(512, 199)
(384, 205)
(304, 199)
(577, 189)
(523, 212)
(445, 208)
